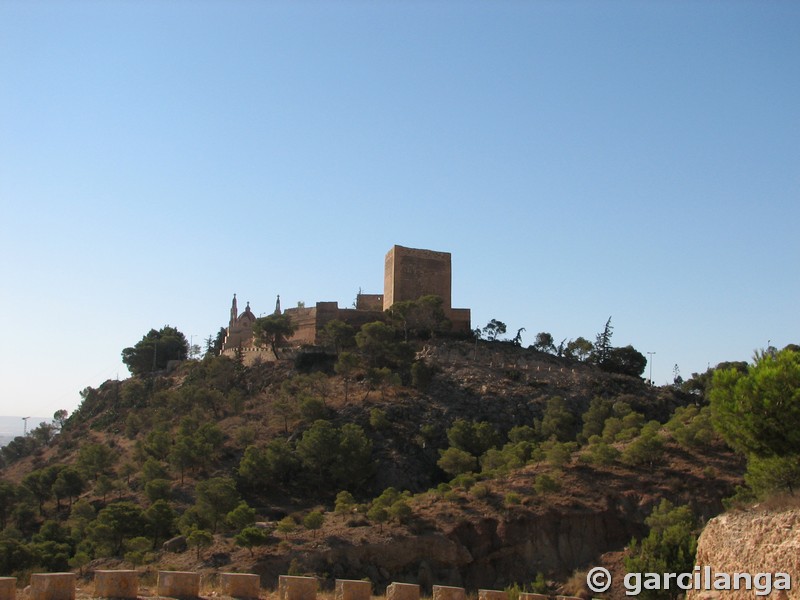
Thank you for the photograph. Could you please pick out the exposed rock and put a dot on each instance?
(176, 544)
(752, 541)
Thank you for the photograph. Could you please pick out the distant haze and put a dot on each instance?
(11, 427)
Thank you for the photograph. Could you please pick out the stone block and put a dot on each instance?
(53, 586)
(291, 587)
(492, 595)
(352, 589)
(402, 591)
(178, 584)
(530, 596)
(116, 584)
(240, 585)
(8, 588)
(567, 598)
(446, 592)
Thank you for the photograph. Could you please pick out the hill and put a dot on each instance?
(479, 465)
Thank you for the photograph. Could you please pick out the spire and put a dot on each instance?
(234, 312)
(278, 305)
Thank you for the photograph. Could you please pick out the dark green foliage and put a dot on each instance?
(341, 457)
(251, 537)
(700, 383)
(199, 539)
(645, 449)
(594, 418)
(521, 433)
(378, 345)
(422, 375)
(544, 342)
(158, 489)
(39, 484)
(513, 455)
(15, 556)
(557, 421)
(602, 344)
(669, 547)
(216, 497)
(378, 419)
(579, 349)
(758, 412)
(155, 350)
(339, 335)
(160, 519)
(313, 521)
(115, 523)
(546, 483)
(494, 329)
(378, 514)
(598, 452)
(346, 366)
(691, 426)
(241, 516)
(474, 438)
(95, 460)
(18, 448)
(625, 361)
(455, 461)
(345, 502)
(773, 473)
(422, 318)
(68, 484)
(8, 498)
(196, 446)
(272, 331)
(262, 469)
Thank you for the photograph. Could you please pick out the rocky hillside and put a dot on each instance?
(570, 461)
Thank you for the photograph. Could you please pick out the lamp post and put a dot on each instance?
(650, 360)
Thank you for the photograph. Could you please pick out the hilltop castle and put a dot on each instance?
(409, 273)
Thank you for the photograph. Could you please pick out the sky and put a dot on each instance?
(580, 160)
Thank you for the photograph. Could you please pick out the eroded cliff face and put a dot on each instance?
(752, 541)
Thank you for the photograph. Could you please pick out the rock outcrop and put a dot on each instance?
(752, 541)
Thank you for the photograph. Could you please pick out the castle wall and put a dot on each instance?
(460, 319)
(369, 302)
(305, 322)
(311, 321)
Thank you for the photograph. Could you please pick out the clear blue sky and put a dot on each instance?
(580, 160)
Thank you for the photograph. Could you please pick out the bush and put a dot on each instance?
(546, 483)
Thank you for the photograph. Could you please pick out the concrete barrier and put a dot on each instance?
(402, 591)
(446, 592)
(531, 596)
(352, 589)
(240, 585)
(53, 586)
(116, 584)
(178, 584)
(492, 595)
(297, 588)
(8, 588)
